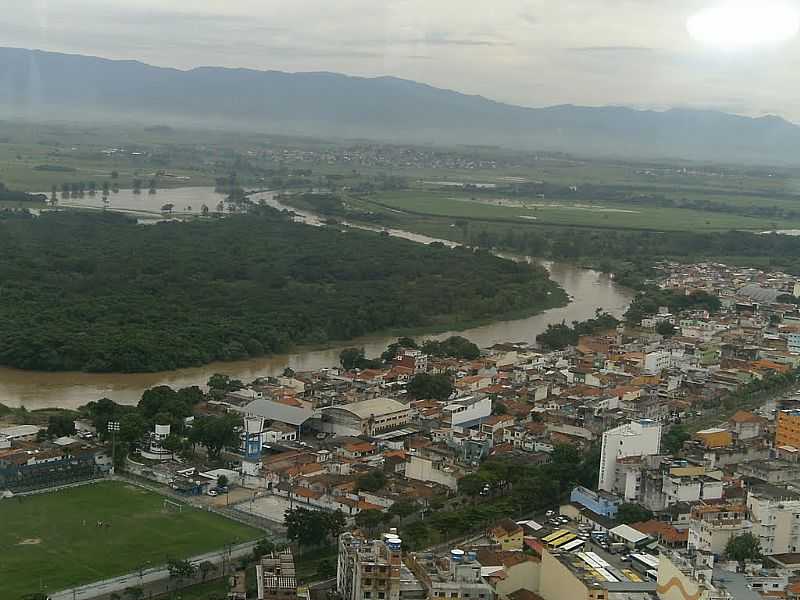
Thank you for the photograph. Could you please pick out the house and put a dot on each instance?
(746, 425)
(494, 425)
(507, 534)
(356, 450)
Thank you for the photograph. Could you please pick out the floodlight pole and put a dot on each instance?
(113, 428)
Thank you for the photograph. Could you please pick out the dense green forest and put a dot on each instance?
(98, 292)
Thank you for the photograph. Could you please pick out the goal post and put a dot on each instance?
(172, 506)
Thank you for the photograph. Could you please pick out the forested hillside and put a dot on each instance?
(98, 292)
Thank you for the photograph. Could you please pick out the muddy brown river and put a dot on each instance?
(587, 289)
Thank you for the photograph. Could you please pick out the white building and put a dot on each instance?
(638, 438)
(368, 417)
(712, 525)
(775, 514)
(793, 341)
(655, 362)
(468, 411)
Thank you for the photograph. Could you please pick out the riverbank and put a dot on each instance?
(587, 289)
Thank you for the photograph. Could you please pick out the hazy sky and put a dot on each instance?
(534, 52)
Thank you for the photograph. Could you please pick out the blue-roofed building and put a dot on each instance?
(602, 503)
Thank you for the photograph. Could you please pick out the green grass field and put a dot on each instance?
(44, 544)
(555, 212)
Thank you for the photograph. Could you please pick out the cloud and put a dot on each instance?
(613, 49)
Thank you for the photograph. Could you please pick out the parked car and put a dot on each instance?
(549, 514)
(212, 492)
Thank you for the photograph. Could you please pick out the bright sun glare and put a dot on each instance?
(734, 24)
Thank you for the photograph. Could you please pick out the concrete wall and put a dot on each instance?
(524, 576)
(557, 582)
(422, 469)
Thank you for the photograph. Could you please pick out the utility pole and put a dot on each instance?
(113, 428)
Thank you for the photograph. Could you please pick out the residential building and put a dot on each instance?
(787, 431)
(775, 513)
(711, 526)
(369, 569)
(511, 573)
(434, 466)
(746, 426)
(507, 534)
(600, 502)
(276, 577)
(638, 438)
(467, 411)
(674, 482)
(688, 577)
(454, 577)
(714, 437)
(793, 343)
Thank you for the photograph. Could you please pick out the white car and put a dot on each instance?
(212, 492)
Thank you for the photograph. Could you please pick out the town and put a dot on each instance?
(654, 458)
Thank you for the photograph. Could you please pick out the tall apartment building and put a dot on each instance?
(369, 569)
(276, 577)
(787, 432)
(638, 438)
(775, 513)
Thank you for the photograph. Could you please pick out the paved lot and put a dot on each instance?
(269, 507)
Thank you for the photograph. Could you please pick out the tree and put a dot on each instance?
(372, 481)
(350, 358)
(263, 547)
(370, 520)
(305, 527)
(224, 383)
(427, 386)
(132, 428)
(205, 568)
(633, 513)
(672, 441)
(665, 328)
(60, 426)
(743, 548)
(172, 443)
(326, 568)
(215, 433)
(335, 523)
(134, 593)
(180, 569)
(405, 507)
(471, 485)
(455, 346)
(222, 481)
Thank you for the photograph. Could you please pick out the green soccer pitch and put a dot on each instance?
(52, 541)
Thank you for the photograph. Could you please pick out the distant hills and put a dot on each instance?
(46, 85)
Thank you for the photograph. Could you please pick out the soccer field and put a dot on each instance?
(50, 542)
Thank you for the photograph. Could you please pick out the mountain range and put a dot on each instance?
(44, 85)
